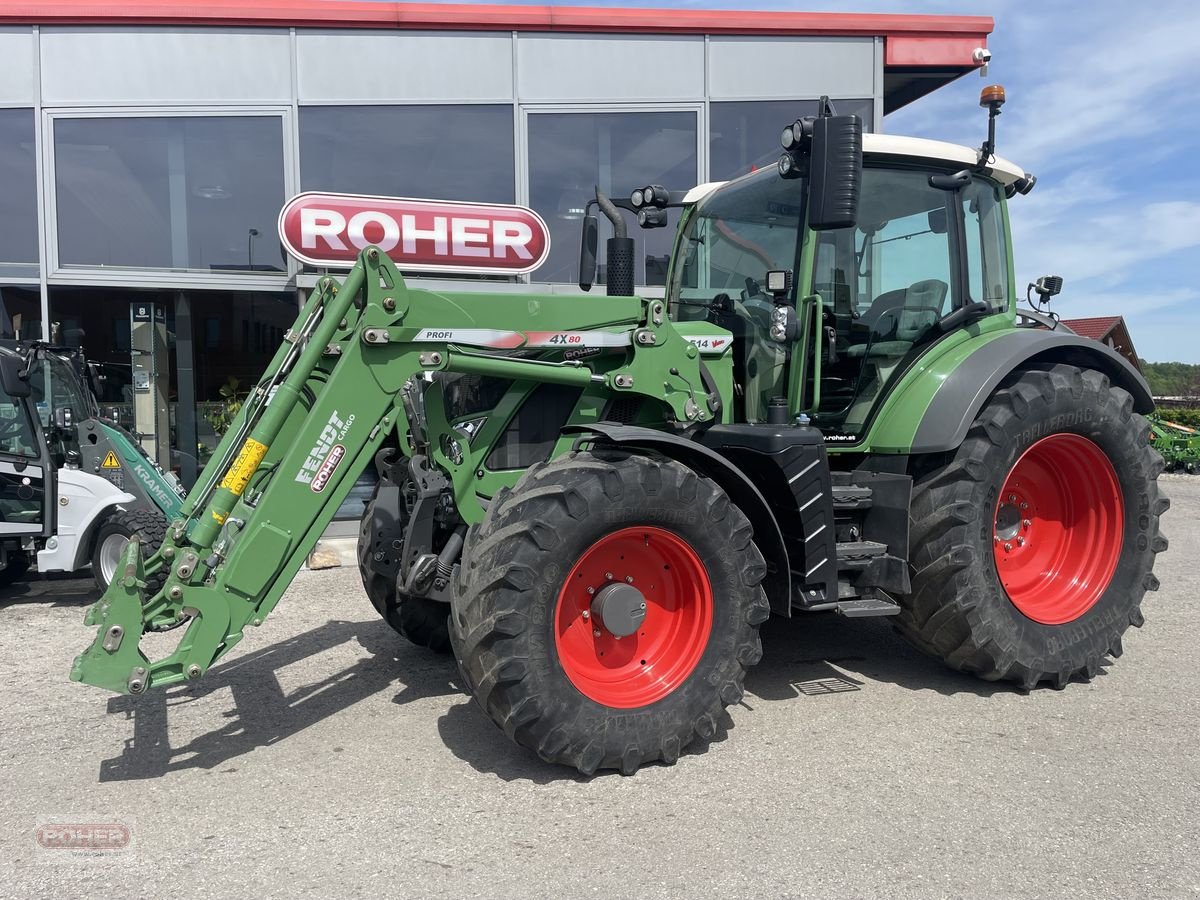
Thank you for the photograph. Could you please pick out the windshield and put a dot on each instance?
(55, 386)
(739, 233)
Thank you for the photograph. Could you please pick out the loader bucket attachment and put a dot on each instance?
(115, 660)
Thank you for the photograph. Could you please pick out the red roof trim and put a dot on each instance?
(483, 17)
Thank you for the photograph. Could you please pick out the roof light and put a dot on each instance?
(993, 94)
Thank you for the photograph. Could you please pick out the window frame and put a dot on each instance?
(26, 273)
(126, 276)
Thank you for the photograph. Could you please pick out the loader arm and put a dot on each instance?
(328, 401)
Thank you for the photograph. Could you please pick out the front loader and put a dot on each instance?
(595, 503)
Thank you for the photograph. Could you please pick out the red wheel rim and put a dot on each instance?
(1059, 527)
(640, 668)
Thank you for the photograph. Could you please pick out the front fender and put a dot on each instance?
(84, 500)
(934, 404)
(741, 490)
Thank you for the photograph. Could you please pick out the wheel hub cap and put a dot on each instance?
(620, 608)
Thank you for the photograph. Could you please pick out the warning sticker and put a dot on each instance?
(110, 461)
(244, 466)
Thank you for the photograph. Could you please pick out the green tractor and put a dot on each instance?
(836, 407)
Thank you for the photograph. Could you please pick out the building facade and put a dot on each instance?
(147, 147)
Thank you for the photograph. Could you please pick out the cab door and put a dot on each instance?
(877, 296)
(28, 487)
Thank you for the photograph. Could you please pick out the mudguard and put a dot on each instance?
(934, 405)
(84, 500)
(741, 490)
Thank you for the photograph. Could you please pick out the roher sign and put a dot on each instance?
(329, 230)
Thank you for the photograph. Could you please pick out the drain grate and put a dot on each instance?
(825, 686)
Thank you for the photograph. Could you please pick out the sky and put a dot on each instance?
(1103, 106)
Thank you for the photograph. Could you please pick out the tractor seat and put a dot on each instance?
(901, 318)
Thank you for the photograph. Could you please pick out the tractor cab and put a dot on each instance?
(925, 255)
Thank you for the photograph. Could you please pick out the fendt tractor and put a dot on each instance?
(836, 407)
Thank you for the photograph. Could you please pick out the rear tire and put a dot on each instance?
(545, 662)
(150, 528)
(1071, 591)
(419, 619)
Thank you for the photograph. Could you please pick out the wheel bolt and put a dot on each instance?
(629, 579)
(586, 615)
(608, 576)
(591, 590)
(1024, 506)
(1012, 498)
(596, 633)
(1026, 523)
(1007, 547)
(1020, 542)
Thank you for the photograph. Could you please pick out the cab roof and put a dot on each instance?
(1003, 170)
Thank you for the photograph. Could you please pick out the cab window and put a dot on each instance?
(987, 261)
(17, 437)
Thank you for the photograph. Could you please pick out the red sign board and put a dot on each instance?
(330, 230)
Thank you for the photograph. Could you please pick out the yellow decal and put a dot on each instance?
(110, 461)
(244, 466)
(220, 517)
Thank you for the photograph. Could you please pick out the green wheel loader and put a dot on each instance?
(836, 407)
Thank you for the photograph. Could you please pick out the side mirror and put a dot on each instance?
(835, 173)
(587, 251)
(937, 221)
(62, 418)
(10, 376)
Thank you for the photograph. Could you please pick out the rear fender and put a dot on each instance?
(84, 502)
(933, 406)
(741, 490)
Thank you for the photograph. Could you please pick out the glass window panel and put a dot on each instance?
(20, 312)
(987, 261)
(437, 152)
(745, 136)
(571, 153)
(18, 199)
(194, 192)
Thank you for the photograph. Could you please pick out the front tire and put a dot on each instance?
(419, 619)
(609, 610)
(1034, 543)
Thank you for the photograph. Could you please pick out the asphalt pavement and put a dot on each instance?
(326, 757)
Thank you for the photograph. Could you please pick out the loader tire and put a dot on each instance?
(151, 529)
(1033, 544)
(418, 619)
(578, 675)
